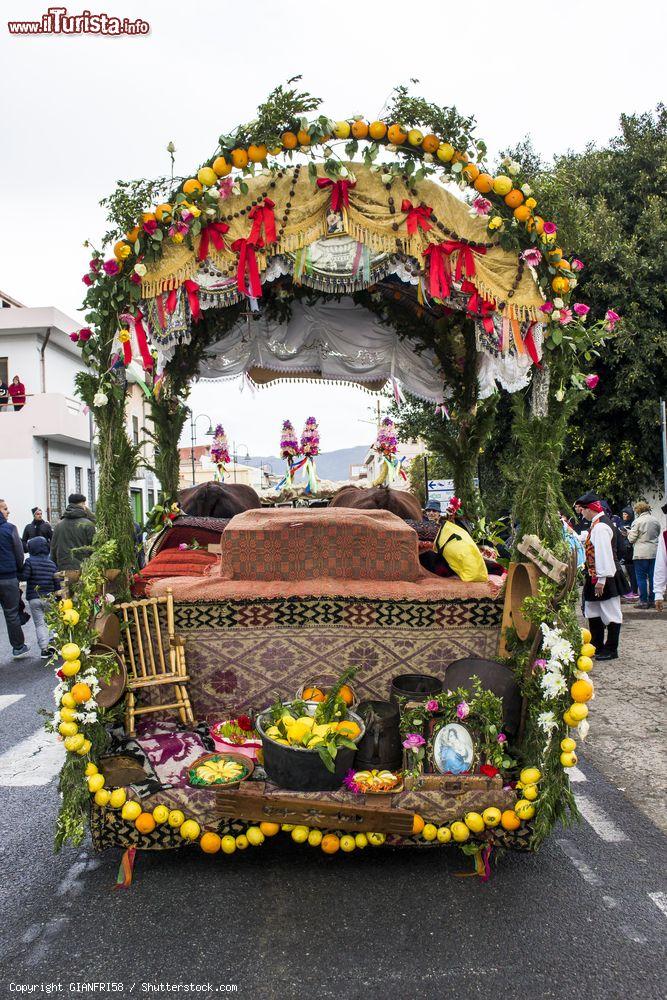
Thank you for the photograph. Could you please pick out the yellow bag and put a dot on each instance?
(458, 549)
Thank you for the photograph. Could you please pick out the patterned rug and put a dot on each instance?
(242, 654)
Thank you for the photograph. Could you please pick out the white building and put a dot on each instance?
(45, 447)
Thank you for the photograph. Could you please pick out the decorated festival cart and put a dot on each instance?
(300, 673)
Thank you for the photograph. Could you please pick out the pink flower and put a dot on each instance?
(413, 741)
(532, 256)
(577, 265)
(502, 738)
(432, 705)
(612, 319)
(187, 216)
(547, 307)
(87, 280)
(135, 278)
(591, 381)
(351, 784)
(150, 226)
(539, 665)
(74, 337)
(85, 334)
(566, 316)
(463, 710)
(94, 264)
(482, 206)
(225, 187)
(550, 228)
(183, 546)
(110, 267)
(581, 309)
(177, 227)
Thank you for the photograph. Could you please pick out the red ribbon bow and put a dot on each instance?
(192, 292)
(263, 218)
(212, 233)
(172, 299)
(247, 266)
(478, 306)
(531, 347)
(465, 262)
(417, 216)
(439, 272)
(340, 197)
(142, 341)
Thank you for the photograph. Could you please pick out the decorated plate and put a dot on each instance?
(378, 782)
(220, 770)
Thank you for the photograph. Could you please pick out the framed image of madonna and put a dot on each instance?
(452, 748)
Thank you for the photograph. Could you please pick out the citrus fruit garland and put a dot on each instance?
(581, 692)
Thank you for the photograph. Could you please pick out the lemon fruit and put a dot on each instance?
(342, 130)
(444, 835)
(74, 743)
(228, 844)
(95, 782)
(586, 636)
(491, 816)
(587, 649)
(460, 832)
(241, 842)
(207, 176)
(160, 814)
(584, 663)
(189, 829)
(445, 152)
(255, 836)
(530, 792)
(130, 810)
(568, 744)
(90, 769)
(415, 137)
(361, 840)
(578, 712)
(118, 798)
(65, 605)
(68, 714)
(347, 843)
(102, 797)
(71, 667)
(70, 651)
(530, 775)
(502, 185)
(524, 809)
(376, 839)
(176, 818)
(300, 834)
(474, 822)
(84, 748)
(568, 759)
(68, 700)
(430, 832)
(315, 838)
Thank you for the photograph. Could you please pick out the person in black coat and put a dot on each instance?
(37, 528)
(39, 572)
(11, 564)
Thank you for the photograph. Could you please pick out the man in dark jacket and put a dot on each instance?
(38, 528)
(74, 531)
(39, 572)
(11, 563)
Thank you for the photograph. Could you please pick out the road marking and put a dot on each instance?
(575, 857)
(34, 761)
(576, 775)
(9, 699)
(660, 900)
(605, 828)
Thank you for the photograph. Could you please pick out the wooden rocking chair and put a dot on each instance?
(153, 660)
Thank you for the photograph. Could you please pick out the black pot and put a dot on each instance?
(303, 770)
(414, 687)
(380, 746)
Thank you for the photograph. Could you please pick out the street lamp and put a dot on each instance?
(208, 433)
(235, 454)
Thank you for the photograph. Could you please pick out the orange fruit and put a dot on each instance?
(330, 843)
(81, 692)
(483, 183)
(581, 690)
(269, 829)
(221, 167)
(539, 224)
(162, 210)
(289, 140)
(150, 216)
(210, 842)
(559, 286)
(257, 153)
(133, 235)
(145, 823)
(471, 172)
(460, 157)
(312, 694)
(303, 137)
(239, 159)
(430, 143)
(564, 265)
(377, 130)
(396, 135)
(347, 694)
(514, 198)
(191, 186)
(417, 823)
(120, 251)
(522, 213)
(509, 820)
(359, 129)
(349, 728)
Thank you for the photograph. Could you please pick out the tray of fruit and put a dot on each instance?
(376, 782)
(318, 692)
(220, 770)
(238, 736)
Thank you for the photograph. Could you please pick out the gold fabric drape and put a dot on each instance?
(372, 217)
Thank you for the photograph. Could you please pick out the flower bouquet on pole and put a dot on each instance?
(310, 449)
(219, 452)
(386, 445)
(289, 450)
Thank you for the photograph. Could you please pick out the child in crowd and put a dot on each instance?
(39, 572)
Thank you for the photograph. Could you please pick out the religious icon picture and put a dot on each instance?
(336, 223)
(452, 749)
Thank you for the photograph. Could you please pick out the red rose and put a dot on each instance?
(244, 723)
(488, 770)
(150, 226)
(60, 675)
(94, 264)
(87, 280)
(135, 278)
(85, 333)
(74, 337)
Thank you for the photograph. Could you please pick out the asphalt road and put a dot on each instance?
(586, 917)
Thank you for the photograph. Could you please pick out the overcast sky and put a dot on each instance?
(79, 113)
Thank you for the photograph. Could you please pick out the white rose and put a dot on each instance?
(211, 213)
(386, 178)
(212, 192)
(514, 168)
(140, 269)
(391, 147)
(526, 189)
(555, 314)
(100, 399)
(428, 157)
(558, 303)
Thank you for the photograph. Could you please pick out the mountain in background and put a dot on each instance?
(333, 465)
